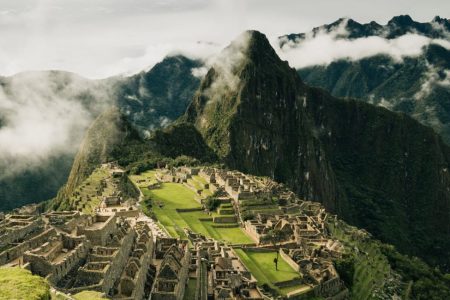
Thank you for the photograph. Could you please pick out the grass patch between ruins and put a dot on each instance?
(16, 283)
(89, 295)
(144, 179)
(172, 196)
(190, 289)
(261, 265)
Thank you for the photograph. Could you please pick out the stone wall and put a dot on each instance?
(126, 213)
(43, 260)
(101, 276)
(223, 219)
(131, 286)
(99, 234)
(332, 289)
(183, 277)
(230, 225)
(15, 229)
(250, 230)
(17, 251)
(119, 261)
(287, 283)
(289, 260)
(61, 269)
(188, 209)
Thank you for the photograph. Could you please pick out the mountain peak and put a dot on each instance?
(247, 45)
(248, 76)
(401, 20)
(256, 37)
(260, 47)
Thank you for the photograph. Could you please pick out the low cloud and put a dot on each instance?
(155, 53)
(225, 65)
(326, 47)
(44, 115)
(433, 78)
(199, 72)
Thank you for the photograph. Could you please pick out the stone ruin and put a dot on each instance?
(172, 275)
(114, 252)
(220, 274)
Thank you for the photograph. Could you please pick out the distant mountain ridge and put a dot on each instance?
(418, 86)
(397, 26)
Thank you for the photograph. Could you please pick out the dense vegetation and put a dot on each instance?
(374, 269)
(110, 138)
(423, 281)
(167, 141)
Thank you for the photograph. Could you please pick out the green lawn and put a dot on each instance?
(148, 176)
(261, 265)
(197, 185)
(16, 283)
(190, 289)
(173, 196)
(89, 295)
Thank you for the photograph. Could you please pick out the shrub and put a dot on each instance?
(212, 203)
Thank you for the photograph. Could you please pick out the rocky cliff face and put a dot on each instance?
(258, 124)
(377, 169)
(393, 173)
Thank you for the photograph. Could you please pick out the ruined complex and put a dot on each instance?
(122, 253)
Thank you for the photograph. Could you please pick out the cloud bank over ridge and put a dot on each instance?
(322, 48)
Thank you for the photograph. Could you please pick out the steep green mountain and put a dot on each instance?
(149, 100)
(110, 138)
(377, 169)
(418, 86)
(167, 141)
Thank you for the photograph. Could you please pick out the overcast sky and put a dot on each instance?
(100, 38)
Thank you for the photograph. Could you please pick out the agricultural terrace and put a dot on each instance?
(89, 194)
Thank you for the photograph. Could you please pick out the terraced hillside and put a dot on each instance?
(89, 194)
